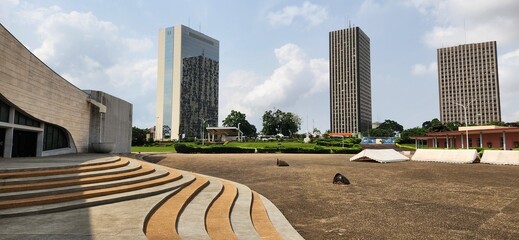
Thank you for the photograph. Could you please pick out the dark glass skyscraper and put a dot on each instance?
(350, 81)
(187, 83)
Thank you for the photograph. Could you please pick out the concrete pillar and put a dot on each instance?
(462, 142)
(480, 139)
(8, 144)
(39, 144)
(504, 140)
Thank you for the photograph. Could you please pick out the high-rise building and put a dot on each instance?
(468, 83)
(350, 81)
(187, 83)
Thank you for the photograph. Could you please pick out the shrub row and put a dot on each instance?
(183, 148)
(293, 150)
(347, 150)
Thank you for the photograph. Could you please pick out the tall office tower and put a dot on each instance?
(187, 83)
(350, 81)
(468, 83)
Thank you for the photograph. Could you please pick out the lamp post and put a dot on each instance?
(466, 122)
(239, 135)
(203, 131)
(466, 126)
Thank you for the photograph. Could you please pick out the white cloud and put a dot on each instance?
(509, 86)
(313, 14)
(94, 54)
(421, 69)
(295, 78)
(6, 7)
(460, 21)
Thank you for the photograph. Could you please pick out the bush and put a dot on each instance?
(183, 148)
(347, 150)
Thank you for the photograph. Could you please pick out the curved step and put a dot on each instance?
(218, 219)
(162, 222)
(261, 219)
(172, 176)
(240, 216)
(284, 228)
(191, 223)
(132, 166)
(66, 170)
(145, 169)
(154, 174)
(38, 164)
(96, 201)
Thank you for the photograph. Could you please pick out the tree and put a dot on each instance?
(139, 136)
(380, 132)
(412, 132)
(391, 126)
(277, 121)
(434, 126)
(235, 118)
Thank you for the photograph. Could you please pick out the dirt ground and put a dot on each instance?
(403, 200)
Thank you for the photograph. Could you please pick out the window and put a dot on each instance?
(4, 112)
(54, 137)
(22, 119)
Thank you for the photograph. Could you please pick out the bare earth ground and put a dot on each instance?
(404, 200)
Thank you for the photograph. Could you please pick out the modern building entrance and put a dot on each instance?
(2, 141)
(24, 143)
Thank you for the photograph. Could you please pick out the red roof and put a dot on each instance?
(340, 134)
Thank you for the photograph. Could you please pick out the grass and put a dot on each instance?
(153, 149)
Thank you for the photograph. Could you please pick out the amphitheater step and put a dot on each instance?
(96, 201)
(153, 174)
(21, 173)
(162, 221)
(218, 220)
(213, 208)
(132, 166)
(193, 206)
(45, 184)
(191, 223)
(118, 183)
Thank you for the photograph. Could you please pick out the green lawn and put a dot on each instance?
(153, 149)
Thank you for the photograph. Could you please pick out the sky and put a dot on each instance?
(273, 53)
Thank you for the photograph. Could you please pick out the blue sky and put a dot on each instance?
(273, 54)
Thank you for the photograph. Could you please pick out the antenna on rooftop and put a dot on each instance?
(464, 31)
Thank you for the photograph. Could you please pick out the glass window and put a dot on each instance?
(22, 119)
(4, 112)
(54, 137)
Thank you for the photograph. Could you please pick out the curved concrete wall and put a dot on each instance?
(40, 92)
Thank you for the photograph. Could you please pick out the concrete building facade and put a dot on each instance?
(468, 83)
(350, 81)
(43, 114)
(187, 83)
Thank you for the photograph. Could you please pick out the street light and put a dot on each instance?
(239, 135)
(203, 131)
(466, 122)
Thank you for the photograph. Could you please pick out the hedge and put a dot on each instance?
(183, 148)
(347, 150)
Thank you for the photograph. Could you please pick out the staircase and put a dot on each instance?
(194, 207)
